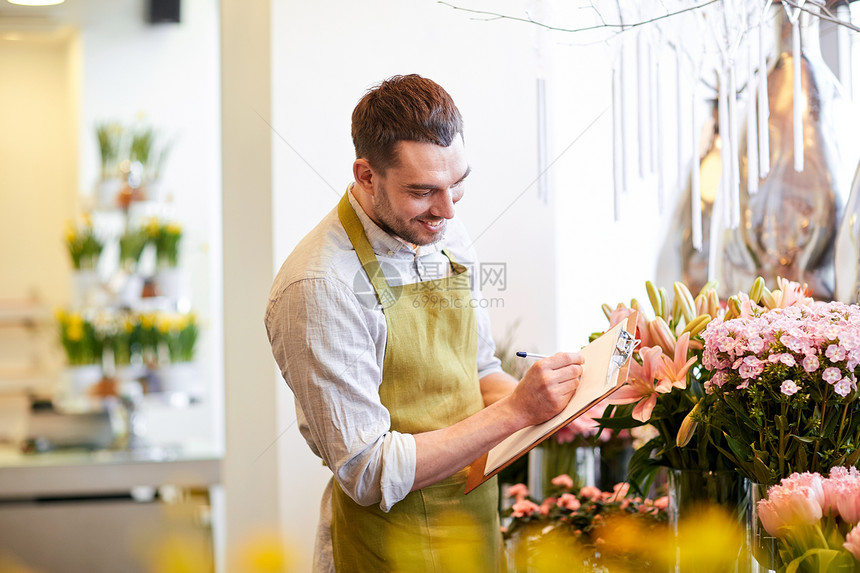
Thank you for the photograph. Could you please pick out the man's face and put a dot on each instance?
(415, 199)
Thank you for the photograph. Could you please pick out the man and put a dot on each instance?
(375, 328)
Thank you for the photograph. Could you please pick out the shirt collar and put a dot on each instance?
(384, 243)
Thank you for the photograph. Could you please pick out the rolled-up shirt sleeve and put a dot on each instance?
(322, 341)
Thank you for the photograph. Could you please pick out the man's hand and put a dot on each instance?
(542, 393)
(547, 387)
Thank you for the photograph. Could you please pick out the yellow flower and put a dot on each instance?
(71, 233)
(173, 229)
(163, 323)
(151, 227)
(147, 321)
(75, 332)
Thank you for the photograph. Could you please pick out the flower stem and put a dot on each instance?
(783, 408)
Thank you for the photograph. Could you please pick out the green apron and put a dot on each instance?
(429, 381)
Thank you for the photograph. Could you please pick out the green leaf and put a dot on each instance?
(762, 472)
(825, 559)
(803, 439)
(619, 423)
(642, 468)
(741, 450)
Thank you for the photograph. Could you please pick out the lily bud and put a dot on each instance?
(676, 311)
(682, 294)
(686, 431)
(697, 325)
(701, 304)
(713, 303)
(733, 308)
(662, 335)
(607, 310)
(654, 297)
(634, 304)
(709, 286)
(664, 303)
(756, 290)
(768, 299)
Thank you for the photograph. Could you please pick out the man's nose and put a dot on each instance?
(443, 206)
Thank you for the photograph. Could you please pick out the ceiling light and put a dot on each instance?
(36, 2)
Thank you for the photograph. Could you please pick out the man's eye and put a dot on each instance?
(422, 194)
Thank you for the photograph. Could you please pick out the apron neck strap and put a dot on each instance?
(354, 230)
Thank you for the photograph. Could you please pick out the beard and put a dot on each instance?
(411, 230)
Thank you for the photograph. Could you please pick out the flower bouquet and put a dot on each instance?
(178, 332)
(815, 520)
(576, 526)
(80, 339)
(784, 386)
(166, 238)
(131, 245)
(83, 245)
(666, 385)
(109, 136)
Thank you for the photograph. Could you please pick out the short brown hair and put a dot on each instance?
(403, 108)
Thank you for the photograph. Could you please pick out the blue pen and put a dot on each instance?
(531, 355)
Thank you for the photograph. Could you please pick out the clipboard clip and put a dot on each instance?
(624, 347)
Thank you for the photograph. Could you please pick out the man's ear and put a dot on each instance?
(364, 175)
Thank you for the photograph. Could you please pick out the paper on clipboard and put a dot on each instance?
(604, 370)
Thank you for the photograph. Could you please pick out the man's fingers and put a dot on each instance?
(562, 359)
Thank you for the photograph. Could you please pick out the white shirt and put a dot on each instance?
(328, 336)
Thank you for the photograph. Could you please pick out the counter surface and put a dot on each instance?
(89, 473)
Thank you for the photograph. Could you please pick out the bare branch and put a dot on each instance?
(496, 16)
(824, 14)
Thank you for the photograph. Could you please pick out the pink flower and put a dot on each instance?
(619, 491)
(852, 542)
(848, 500)
(590, 492)
(546, 505)
(518, 491)
(789, 388)
(621, 312)
(568, 501)
(843, 387)
(832, 375)
(798, 499)
(835, 353)
(524, 508)
(640, 386)
(810, 363)
(675, 371)
(564, 481)
(787, 359)
(661, 503)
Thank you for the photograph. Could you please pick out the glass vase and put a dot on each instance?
(762, 547)
(580, 461)
(690, 491)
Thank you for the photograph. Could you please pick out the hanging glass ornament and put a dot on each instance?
(788, 227)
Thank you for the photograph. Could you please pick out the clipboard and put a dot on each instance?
(604, 371)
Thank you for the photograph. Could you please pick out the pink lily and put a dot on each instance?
(621, 312)
(640, 386)
(675, 371)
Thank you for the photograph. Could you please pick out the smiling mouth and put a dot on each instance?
(434, 225)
